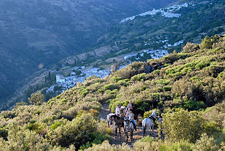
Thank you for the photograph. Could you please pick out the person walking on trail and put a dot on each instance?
(117, 112)
(130, 116)
(153, 116)
(129, 106)
(160, 119)
(160, 122)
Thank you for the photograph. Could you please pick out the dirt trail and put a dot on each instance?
(119, 141)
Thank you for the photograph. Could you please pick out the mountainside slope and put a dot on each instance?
(166, 28)
(180, 86)
(159, 30)
(39, 33)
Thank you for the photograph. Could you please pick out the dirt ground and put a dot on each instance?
(119, 141)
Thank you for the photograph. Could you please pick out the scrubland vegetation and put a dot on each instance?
(187, 88)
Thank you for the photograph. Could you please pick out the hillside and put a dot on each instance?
(37, 34)
(187, 88)
(166, 28)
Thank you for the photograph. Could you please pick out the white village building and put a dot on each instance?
(60, 79)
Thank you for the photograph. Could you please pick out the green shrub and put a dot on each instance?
(138, 101)
(159, 89)
(23, 139)
(100, 90)
(125, 103)
(37, 112)
(110, 87)
(77, 132)
(176, 146)
(138, 77)
(63, 101)
(55, 125)
(116, 78)
(143, 106)
(35, 127)
(114, 91)
(84, 92)
(162, 81)
(205, 143)
(183, 125)
(107, 91)
(146, 143)
(113, 104)
(123, 82)
(167, 88)
(32, 121)
(147, 139)
(96, 138)
(192, 105)
(3, 133)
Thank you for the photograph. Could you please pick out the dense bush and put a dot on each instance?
(76, 132)
(183, 125)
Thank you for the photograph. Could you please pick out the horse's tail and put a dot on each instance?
(107, 122)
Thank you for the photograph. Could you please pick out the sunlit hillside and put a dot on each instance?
(187, 88)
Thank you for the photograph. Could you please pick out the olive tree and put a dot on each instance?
(36, 98)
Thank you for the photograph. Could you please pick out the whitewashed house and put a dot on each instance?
(60, 79)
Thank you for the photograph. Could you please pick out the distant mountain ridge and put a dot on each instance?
(40, 33)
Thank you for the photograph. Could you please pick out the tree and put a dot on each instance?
(36, 98)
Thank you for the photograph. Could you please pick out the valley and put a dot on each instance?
(44, 32)
(151, 30)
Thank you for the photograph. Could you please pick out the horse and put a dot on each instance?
(128, 127)
(137, 112)
(147, 124)
(118, 123)
(108, 119)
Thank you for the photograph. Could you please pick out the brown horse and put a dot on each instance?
(138, 112)
(117, 122)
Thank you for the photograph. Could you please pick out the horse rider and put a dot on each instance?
(123, 110)
(153, 116)
(129, 106)
(117, 111)
(130, 116)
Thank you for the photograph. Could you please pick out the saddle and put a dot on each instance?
(151, 117)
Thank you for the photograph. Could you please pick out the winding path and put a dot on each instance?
(119, 141)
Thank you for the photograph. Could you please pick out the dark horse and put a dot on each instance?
(137, 112)
(118, 123)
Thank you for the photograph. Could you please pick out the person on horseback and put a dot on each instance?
(129, 106)
(123, 111)
(117, 112)
(130, 116)
(153, 116)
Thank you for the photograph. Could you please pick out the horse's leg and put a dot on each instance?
(143, 130)
(131, 135)
(126, 136)
(119, 132)
(115, 132)
(152, 129)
